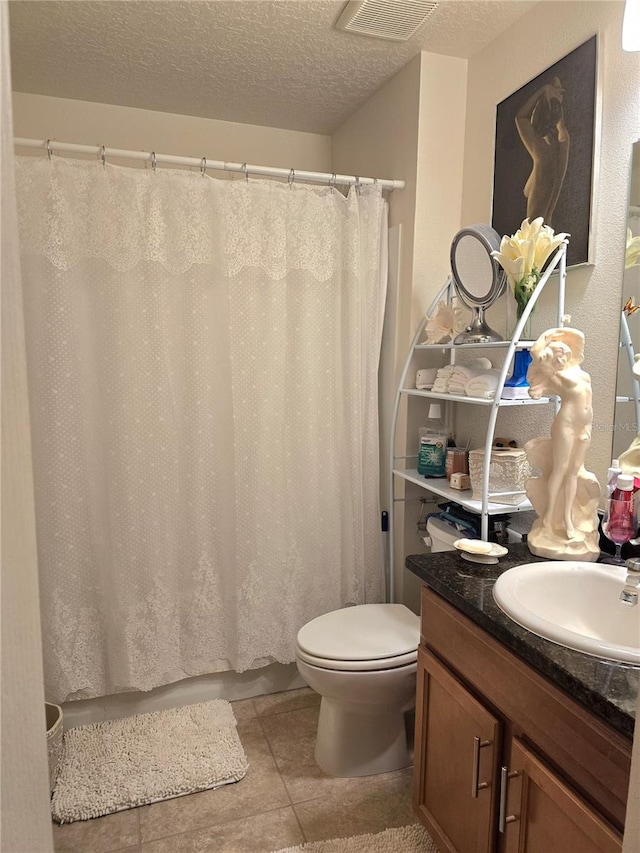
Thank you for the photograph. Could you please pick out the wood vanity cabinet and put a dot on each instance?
(504, 761)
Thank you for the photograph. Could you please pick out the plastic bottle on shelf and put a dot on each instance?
(612, 476)
(623, 490)
(432, 451)
(621, 522)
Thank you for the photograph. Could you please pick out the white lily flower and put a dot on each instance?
(529, 253)
(523, 255)
(546, 245)
(513, 266)
(530, 230)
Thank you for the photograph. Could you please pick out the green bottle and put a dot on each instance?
(432, 452)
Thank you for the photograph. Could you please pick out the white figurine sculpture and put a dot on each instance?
(566, 495)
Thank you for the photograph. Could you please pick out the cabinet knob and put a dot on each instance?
(476, 785)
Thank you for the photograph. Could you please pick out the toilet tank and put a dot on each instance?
(442, 535)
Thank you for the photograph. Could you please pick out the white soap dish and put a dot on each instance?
(478, 551)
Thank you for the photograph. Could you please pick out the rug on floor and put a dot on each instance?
(111, 766)
(402, 839)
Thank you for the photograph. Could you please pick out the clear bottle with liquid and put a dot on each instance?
(612, 476)
(432, 450)
(620, 521)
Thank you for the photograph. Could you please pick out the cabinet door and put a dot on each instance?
(540, 814)
(458, 744)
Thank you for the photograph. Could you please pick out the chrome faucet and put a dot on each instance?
(629, 594)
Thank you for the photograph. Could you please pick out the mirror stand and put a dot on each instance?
(478, 331)
(477, 278)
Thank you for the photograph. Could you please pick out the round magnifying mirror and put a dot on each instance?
(478, 279)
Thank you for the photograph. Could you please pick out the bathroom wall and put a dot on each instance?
(42, 117)
(26, 822)
(381, 138)
(398, 134)
(540, 38)
(388, 133)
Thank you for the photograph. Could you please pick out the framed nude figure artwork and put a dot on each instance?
(545, 151)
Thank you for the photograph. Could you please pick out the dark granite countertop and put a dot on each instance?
(607, 689)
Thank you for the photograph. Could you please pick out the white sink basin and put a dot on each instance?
(574, 604)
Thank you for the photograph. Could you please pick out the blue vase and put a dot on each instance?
(516, 387)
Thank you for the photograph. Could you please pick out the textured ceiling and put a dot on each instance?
(278, 63)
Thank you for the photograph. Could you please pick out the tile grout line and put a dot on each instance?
(295, 812)
(275, 762)
(284, 784)
(289, 710)
(207, 827)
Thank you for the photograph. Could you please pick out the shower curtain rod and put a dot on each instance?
(52, 146)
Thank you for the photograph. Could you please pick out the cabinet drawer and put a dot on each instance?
(592, 756)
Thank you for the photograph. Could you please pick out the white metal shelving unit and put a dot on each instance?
(490, 503)
(626, 343)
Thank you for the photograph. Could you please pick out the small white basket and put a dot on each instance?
(54, 741)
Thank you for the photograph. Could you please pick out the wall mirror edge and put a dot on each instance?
(626, 426)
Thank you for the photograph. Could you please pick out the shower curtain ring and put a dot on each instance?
(154, 160)
(203, 166)
(332, 182)
(245, 171)
(103, 156)
(292, 177)
(49, 149)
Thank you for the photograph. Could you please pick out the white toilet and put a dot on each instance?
(442, 535)
(362, 662)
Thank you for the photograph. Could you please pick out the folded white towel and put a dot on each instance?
(464, 372)
(484, 385)
(481, 363)
(443, 376)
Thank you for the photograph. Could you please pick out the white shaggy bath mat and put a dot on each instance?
(403, 839)
(116, 765)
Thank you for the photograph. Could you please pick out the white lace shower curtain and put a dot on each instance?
(203, 362)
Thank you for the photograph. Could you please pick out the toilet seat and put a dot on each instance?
(358, 665)
(366, 637)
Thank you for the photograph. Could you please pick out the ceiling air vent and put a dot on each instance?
(396, 20)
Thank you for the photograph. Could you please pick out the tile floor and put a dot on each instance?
(284, 800)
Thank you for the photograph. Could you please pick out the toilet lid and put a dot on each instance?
(367, 632)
